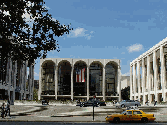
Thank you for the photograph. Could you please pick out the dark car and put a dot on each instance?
(97, 103)
(46, 101)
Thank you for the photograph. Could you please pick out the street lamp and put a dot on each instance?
(93, 105)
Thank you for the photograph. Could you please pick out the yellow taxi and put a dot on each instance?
(130, 115)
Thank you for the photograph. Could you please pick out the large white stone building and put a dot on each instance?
(66, 78)
(148, 81)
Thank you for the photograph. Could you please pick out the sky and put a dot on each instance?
(110, 29)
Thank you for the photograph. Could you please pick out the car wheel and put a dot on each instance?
(123, 106)
(116, 120)
(97, 105)
(136, 105)
(145, 120)
(81, 105)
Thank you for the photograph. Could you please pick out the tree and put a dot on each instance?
(125, 93)
(28, 40)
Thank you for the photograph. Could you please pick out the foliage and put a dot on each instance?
(125, 93)
(23, 40)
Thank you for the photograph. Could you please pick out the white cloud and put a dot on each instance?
(91, 32)
(36, 74)
(123, 53)
(135, 48)
(80, 32)
(126, 74)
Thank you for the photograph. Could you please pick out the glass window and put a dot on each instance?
(129, 112)
(136, 112)
(123, 112)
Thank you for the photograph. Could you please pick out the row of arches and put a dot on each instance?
(79, 72)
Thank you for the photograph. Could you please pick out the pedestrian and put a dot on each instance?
(7, 108)
(3, 110)
(147, 103)
(155, 103)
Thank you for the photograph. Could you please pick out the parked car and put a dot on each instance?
(127, 103)
(90, 103)
(130, 115)
(46, 101)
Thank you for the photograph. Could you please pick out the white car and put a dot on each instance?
(127, 103)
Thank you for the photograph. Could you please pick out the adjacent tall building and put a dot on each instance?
(14, 82)
(66, 78)
(148, 80)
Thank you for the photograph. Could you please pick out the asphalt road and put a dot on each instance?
(74, 123)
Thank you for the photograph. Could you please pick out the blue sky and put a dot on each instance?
(110, 29)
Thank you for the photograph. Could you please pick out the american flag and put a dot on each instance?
(80, 75)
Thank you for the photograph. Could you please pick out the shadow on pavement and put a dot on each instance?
(42, 108)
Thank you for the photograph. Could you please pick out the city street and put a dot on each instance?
(73, 114)
(69, 123)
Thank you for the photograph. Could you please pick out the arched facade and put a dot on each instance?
(79, 79)
(48, 78)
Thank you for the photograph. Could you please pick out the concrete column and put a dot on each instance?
(162, 72)
(10, 72)
(30, 82)
(21, 80)
(87, 82)
(40, 82)
(134, 80)
(148, 78)
(143, 81)
(32, 87)
(15, 72)
(72, 85)
(56, 80)
(7, 71)
(131, 82)
(25, 78)
(104, 83)
(138, 78)
(155, 67)
(119, 82)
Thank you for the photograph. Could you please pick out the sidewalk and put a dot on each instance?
(76, 116)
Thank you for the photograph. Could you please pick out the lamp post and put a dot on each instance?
(93, 109)
(93, 105)
(1, 65)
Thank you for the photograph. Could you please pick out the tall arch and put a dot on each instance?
(64, 78)
(95, 78)
(111, 80)
(80, 78)
(47, 79)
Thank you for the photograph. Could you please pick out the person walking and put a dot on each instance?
(155, 103)
(3, 110)
(8, 108)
